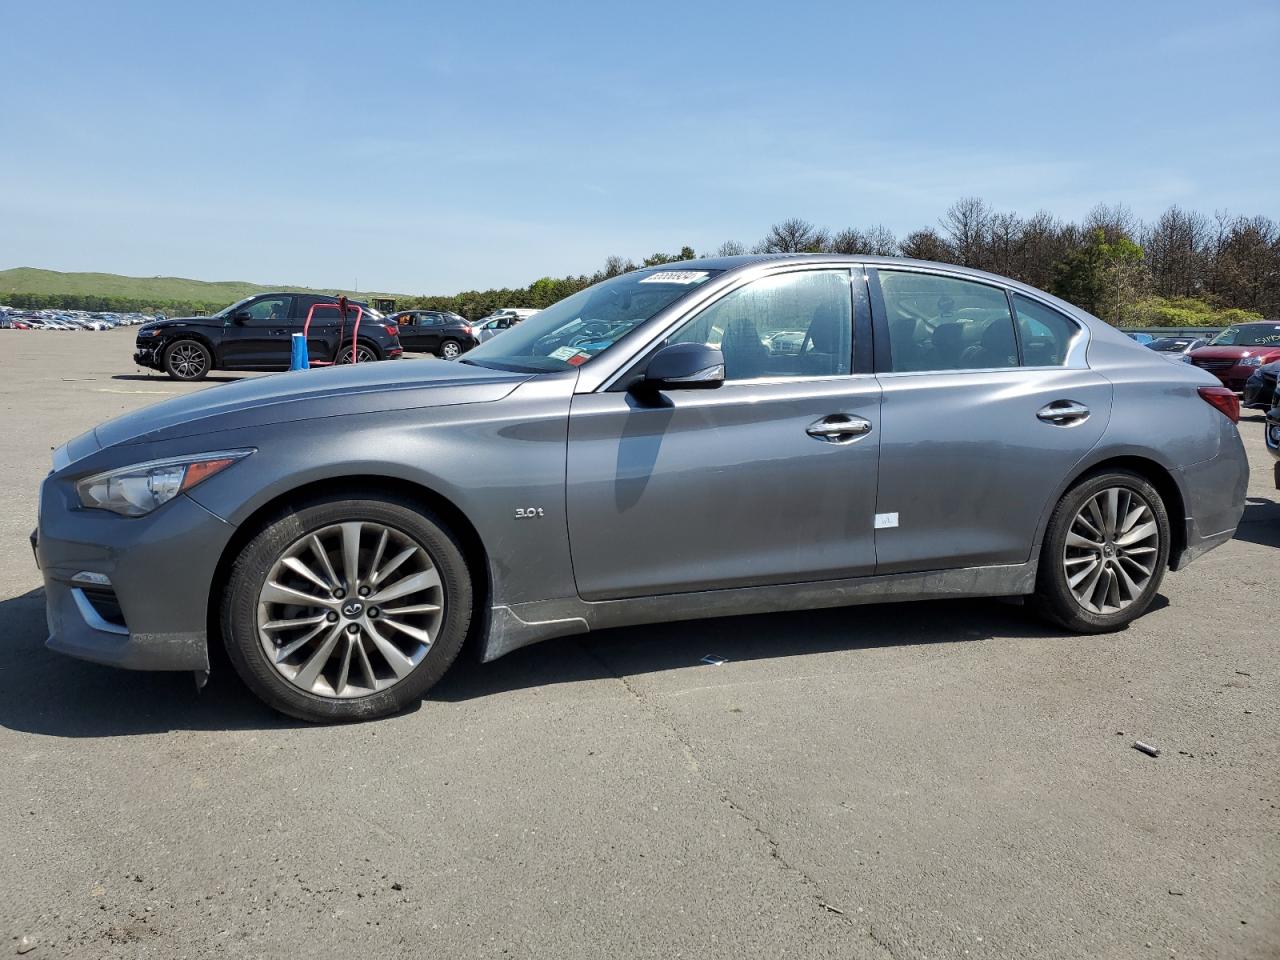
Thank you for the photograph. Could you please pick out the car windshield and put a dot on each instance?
(227, 311)
(1249, 335)
(571, 332)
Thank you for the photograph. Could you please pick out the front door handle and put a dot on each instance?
(839, 428)
(1063, 413)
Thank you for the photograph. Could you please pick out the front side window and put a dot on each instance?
(571, 332)
(788, 325)
(1046, 334)
(943, 323)
(269, 310)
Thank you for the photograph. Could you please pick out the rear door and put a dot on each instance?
(748, 484)
(324, 330)
(260, 340)
(982, 418)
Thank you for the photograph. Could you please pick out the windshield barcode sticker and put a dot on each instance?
(676, 276)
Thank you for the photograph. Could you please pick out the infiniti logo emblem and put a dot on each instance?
(353, 608)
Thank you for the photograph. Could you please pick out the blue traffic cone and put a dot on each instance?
(298, 358)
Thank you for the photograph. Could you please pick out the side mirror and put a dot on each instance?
(685, 366)
(241, 317)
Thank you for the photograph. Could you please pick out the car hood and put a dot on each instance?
(170, 322)
(305, 395)
(1231, 353)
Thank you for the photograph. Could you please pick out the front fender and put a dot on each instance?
(500, 464)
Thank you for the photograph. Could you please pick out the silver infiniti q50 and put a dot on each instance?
(699, 439)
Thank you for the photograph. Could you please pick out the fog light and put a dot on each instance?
(92, 579)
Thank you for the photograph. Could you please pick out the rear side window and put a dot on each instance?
(944, 323)
(1046, 334)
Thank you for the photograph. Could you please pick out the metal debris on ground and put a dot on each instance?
(830, 909)
(713, 660)
(1146, 748)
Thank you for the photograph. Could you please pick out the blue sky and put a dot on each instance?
(424, 147)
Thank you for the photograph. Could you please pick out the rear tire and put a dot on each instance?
(450, 350)
(187, 360)
(1104, 553)
(393, 624)
(364, 354)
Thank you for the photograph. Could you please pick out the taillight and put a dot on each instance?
(1225, 400)
(466, 328)
(393, 330)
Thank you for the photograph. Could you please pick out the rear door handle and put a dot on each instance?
(1063, 413)
(839, 428)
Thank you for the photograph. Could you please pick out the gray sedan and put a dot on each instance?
(644, 450)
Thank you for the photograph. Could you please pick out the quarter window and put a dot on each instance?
(943, 323)
(1046, 334)
(789, 325)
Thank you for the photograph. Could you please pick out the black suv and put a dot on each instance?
(254, 334)
(447, 335)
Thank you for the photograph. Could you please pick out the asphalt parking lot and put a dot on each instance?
(942, 779)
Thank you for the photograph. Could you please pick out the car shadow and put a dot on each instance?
(1260, 523)
(654, 648)
(163, 378)
(45, 693)
(57, 696)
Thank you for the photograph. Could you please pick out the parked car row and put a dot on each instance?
(64, 320)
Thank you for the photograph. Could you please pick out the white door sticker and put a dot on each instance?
(886, 520)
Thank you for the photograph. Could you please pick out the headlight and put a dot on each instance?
(138, 489)
(1250, 361)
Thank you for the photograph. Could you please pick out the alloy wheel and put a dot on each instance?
(1111, 550)
(187, 360)
(450, 351)
(350, 609)
(363, 355)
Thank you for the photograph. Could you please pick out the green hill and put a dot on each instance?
(32, 287)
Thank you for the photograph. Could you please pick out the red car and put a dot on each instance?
(1234, 354)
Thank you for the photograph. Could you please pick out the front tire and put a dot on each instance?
(1104, 553)
(187, 360)
(347, 609)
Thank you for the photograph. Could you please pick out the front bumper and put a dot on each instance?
(147, 355)
(1259, 392)
(1272, 437)
(152, 611)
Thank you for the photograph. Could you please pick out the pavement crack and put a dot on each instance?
(815, 891)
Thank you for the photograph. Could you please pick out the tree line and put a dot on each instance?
(1184, 269)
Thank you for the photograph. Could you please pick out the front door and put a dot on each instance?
(982, 419)
(769, 479)
(257, 335)
(427, 333)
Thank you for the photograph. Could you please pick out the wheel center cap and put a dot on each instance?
(352, 609)
(1108, 551)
